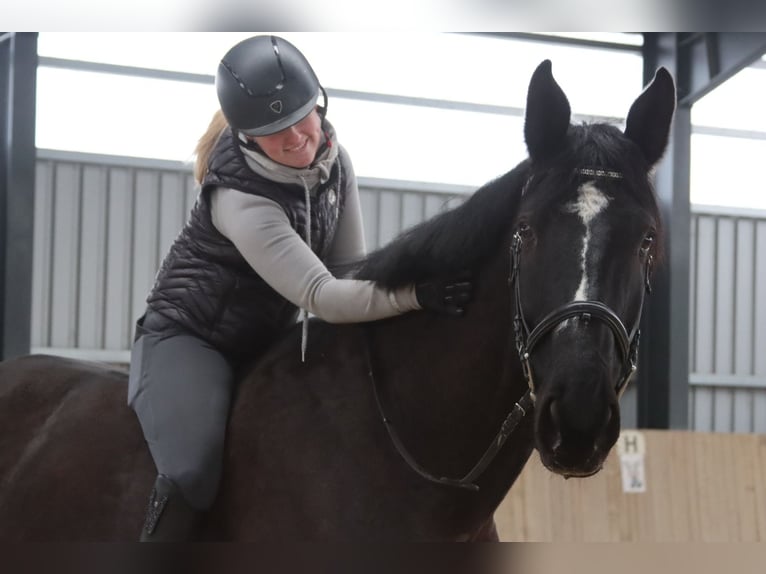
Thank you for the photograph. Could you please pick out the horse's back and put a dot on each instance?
(73, 463)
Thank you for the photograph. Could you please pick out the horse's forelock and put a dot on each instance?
(604, 145)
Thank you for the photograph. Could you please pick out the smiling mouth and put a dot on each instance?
(299, 147)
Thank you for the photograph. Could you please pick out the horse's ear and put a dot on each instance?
(649, 118)
(547, 115)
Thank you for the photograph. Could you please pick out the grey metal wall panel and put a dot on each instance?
(759, 412)
(744, 298)
(629, 408)
(704, 310)
(434, 205)
(742, 411)
(172, 210)
(65, 263)
(693, 224)
(92, 258)
(146, 222)
(41, 266)
(759, 332)
(728, 326)
(722, 410)
(726, 256)
(702, 409)
(369, 202)
(191, 193)
(389, 216)
(388, 212)
(119, 256)
(413, 209)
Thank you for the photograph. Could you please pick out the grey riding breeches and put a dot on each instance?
(181, 389)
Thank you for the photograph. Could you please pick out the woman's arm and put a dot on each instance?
(261, 231)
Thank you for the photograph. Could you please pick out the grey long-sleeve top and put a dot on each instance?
(261, 231)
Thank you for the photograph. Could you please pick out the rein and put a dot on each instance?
(510, 423)
(526, 340)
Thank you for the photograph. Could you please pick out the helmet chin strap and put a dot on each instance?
(323, 108)
(248, 142)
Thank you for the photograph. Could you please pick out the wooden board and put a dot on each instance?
(699, 487)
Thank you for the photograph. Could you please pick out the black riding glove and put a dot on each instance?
(445, 295)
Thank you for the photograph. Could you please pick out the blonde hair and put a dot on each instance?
(206, 144)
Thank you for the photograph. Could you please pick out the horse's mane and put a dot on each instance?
(451, 242)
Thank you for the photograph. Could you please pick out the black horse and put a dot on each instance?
(411, 428)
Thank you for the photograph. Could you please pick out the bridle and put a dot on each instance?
(526, 340)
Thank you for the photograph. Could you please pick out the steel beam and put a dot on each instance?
(18, 85)
(699, 62)
(708, 59)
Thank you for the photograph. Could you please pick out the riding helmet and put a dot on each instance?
(265, 85)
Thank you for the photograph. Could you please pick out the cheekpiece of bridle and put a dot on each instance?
(526, 340)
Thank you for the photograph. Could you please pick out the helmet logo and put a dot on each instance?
(276, 106)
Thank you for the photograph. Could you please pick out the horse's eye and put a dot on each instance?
(524, 229)
(647, 243)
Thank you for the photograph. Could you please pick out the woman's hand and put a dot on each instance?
(448, 296)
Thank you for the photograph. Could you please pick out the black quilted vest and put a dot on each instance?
(204, 286)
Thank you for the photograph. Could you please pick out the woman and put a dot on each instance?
(244, 263)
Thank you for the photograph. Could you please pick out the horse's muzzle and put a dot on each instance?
(573, 444)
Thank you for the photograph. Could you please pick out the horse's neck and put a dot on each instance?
(453, 376)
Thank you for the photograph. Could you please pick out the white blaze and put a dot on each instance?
(590, 202)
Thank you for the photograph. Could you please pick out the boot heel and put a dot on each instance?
(169, 518)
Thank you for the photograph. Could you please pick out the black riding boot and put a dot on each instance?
(169, 518)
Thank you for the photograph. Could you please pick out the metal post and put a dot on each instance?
(699, 62)
(18, 85)
(663, 378)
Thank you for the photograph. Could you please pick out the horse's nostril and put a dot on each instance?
(613, 414)
(609, 415)
(555, 415)
(554, 438)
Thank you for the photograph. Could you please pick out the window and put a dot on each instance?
(392, 101)
(129, 115)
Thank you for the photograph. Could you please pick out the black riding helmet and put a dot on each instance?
(265, 85)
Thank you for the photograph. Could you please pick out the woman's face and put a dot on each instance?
(295, 146)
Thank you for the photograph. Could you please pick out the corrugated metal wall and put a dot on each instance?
(101, 229)
(728, 314)
(103, 224)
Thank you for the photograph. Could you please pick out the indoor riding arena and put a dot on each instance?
(97, 183)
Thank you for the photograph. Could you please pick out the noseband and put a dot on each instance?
(526, 341)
